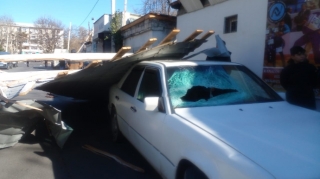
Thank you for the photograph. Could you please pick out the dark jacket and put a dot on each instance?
(299, 79)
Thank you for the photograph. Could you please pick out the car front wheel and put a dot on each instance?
(116, 133)
(194, 173)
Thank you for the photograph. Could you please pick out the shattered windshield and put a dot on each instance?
(213, 85)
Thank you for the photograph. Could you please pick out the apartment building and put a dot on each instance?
(25, 38)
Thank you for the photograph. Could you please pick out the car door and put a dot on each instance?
(148, 124)
(124, 98)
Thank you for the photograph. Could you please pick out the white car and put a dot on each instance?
(213, 120)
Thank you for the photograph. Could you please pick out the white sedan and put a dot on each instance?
(213, 120)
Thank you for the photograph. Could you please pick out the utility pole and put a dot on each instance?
(124, 19)
(89, 26)
(113, 7)
(7, 39)
(10, 43)
(69, 37)
(113, 10)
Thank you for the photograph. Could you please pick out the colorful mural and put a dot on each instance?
(290, 23)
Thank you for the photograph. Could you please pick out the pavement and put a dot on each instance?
(37, 156)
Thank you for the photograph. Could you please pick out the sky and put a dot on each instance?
(76, 12)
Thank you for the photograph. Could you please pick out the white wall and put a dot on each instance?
(137, 41)
(101, 25)
(246, 45)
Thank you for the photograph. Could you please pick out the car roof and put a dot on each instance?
(171, 63)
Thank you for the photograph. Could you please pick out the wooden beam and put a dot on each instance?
(170, 36)
(207, 35)
(61, 74)
(93, 64)
(27, 88)
(147, 44)
(193, 35)
(120, 53)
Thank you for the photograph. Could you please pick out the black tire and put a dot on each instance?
(194, 173)
(116, 133)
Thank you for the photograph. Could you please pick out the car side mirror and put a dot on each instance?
(151, 103)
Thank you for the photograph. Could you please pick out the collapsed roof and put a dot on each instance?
(94, 83)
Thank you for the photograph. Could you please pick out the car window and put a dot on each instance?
(130, 84)
(150, 84)
(212, 85)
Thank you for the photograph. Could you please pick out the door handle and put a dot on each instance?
(117, 97)
(133, 109)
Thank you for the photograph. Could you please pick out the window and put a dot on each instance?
(130, 84)
(150, 85)
(231, 24)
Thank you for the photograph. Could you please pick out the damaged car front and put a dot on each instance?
(213, 120)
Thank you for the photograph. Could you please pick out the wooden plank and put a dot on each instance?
(93, 64)
(61, 74)
(207, 35)
(147, 44)
(120, 53)
(193, 35)
(170, 36)
(18, 103)
(61, 56)
(27, 88)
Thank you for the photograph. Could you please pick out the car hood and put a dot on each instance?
(282, 138)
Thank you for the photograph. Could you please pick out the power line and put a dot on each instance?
(89, 13)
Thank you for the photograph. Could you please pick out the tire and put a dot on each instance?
(116, 133)
(194, 173)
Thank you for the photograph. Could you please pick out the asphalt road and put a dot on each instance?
(33, 66)
(37, 156)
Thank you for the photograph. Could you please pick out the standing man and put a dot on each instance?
(62, 64)
(299, 78)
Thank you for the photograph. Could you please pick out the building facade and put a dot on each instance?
(258, 33)
(24, 38)
(101, 41)
(146, 27)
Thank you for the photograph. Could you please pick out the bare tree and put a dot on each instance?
(50, 33)
(78, 36)
(156, 6)
(20, 37)
(6, 31)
